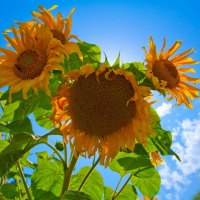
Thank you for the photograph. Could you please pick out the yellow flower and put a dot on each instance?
(35, 54)
(102, 110)
(166, 74)
(60, 28)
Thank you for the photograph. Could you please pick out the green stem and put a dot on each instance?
(88, 174)
(68, 174)
(18, 187)
(115, 196)
(112, 198)
(65, 152)
(57, 152)
(24, 180)
(51, 156)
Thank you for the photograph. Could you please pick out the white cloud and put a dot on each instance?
(176, 175)
(164, 109)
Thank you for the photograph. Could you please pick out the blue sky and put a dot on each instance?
(125, 26)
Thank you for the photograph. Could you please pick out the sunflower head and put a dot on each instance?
(35, 54)
(101, 110)
(60, 27)
(166, 74)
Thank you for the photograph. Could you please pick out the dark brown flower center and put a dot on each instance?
(59, 36)
(165, 70)
(29, 64)
(100, 107)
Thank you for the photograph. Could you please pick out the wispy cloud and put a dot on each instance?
(164, 109)
(176, 175)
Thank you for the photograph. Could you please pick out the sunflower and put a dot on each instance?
(35, 54)
(60, 28)
(166, 72)
(102, 110)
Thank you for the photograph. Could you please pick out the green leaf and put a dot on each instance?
(42, 156)
(3, 128)
(47, 179)
(76, 195)
(108, 191)
(150, 147)
(9, 191)
(171, 152)
(162, 140)
(55, 81)
(26, 107)
(137, 69)
(116, 64)
(125, 163)
(9, 111)
(20, 126)
(42, 117)
(71, 63)
(128, 193)
(90, 51)
(19, 146)
(93, 186)
(3, 144)
(147, 181)
(21, 108)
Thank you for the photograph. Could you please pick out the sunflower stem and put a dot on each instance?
(68, 174)
(24, 180)
(58, 154)
(65, 152)
(88, 174)
(117, 194)
(18, 188)
(113, 195)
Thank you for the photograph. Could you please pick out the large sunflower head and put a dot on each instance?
(167, 74)
(100, 110)
(60, 28)
(35, 54)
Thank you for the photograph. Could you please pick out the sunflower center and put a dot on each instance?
(165, 70)
(100, 107)
(59, 36)
(29, 64)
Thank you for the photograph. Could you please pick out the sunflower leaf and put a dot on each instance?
(93, 186)
(171, 152)
(133, 162)
(42, 117)
(163, 139)
(75, 195)
(47, 180)
(90, 51)
(117, 62)
(18, 147)
(20, 126)
(147, 181)
(128, 193)
(4, 128)
(108, 192)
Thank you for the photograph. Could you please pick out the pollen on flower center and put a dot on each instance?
(99, 107)
(59, 36)
(29, 64)
(165, 70)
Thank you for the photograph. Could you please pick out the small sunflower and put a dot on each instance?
(60, 28)
(167, 75)
(102, 110)
(35, 54)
